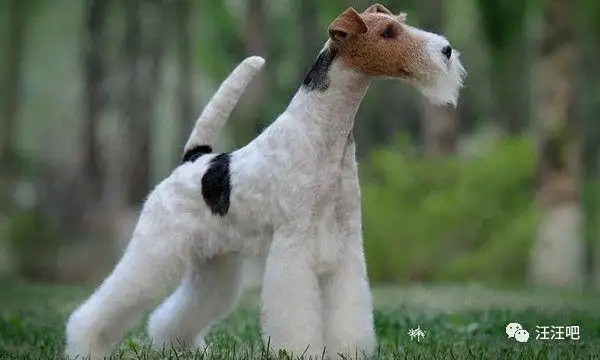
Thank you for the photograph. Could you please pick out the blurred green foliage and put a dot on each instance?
(454, 218)
(450, 218)
(33, 241)
(500, 32)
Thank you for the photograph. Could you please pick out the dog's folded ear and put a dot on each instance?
(377, 8)
(347, 24)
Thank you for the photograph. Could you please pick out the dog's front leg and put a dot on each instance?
(348, 305)
(291, 314)
(348, 308)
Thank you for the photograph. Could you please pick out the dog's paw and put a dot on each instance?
(83, 341)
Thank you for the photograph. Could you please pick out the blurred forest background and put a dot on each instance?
(97, 98)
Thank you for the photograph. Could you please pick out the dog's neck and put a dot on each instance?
(329, 99)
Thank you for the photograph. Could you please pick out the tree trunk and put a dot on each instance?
(12, 85)
(438, 124)
(10, 99)
(589, 99)
(509, 75)
(558, 252)
(73, 199)
(310, 36)
(95, 99)
(256, 43)
(143, 56)
(504, 24)
(185, 72)
(136, 132)
(255, 32)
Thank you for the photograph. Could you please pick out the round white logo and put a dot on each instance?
(522, 335)
(512, 328)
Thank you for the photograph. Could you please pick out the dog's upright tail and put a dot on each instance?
(218, 109)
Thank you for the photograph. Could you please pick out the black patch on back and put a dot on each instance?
(317, 77)
(192, 154)
(216, 184)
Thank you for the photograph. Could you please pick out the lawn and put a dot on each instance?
(460, 322)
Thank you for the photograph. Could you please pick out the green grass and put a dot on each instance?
(461, 322)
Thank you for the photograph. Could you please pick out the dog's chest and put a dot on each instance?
(328, 244)
(327, 181)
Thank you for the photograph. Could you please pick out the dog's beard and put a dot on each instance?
(443, 89)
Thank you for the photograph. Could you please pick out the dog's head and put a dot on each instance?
(381, 44)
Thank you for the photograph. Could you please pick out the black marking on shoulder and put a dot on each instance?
(216, 184)
(317, 77)
(192, 154)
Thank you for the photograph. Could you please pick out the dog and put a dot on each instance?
(291, 195)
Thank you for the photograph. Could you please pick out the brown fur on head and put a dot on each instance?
(377, 43)
(381, 44)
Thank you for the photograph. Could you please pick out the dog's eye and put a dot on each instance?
(389, 32)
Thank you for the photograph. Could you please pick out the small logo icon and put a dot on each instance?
(522, 336)
(417, 333)
(515, 330)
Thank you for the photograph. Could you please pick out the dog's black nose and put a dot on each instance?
(447, 51)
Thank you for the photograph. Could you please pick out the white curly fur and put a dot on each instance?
(217, 110)
(295, 199)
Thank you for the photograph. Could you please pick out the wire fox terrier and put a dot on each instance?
(291, 195)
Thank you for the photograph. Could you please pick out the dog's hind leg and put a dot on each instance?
(143, 274)
(207, 293)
